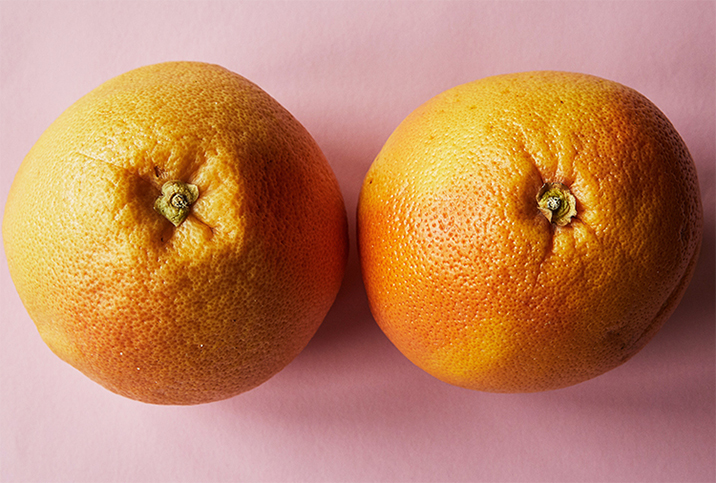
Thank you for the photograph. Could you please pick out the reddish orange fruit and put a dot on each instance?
(176, 234)
(528, 232)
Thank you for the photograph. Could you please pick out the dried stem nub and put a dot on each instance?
(557, 203)
(176, 200)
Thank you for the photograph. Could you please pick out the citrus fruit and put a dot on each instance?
(528, 232)
(176, 234)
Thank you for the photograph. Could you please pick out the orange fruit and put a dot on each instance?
(528, 232)
(176, 234)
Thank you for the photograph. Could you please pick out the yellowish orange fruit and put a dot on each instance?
(528, 232)
(176, 234)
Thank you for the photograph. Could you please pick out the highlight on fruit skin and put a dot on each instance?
(202, 238)
(528, 232)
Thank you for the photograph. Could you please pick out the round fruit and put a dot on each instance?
(528, 232)
(176, 234)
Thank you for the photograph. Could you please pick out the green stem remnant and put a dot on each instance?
(176, 200)
(557, 203)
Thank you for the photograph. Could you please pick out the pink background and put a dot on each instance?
(351, 407)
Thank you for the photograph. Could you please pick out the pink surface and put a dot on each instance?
(351, 407)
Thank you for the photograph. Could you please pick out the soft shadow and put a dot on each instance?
(694, 316)
(349, 318)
